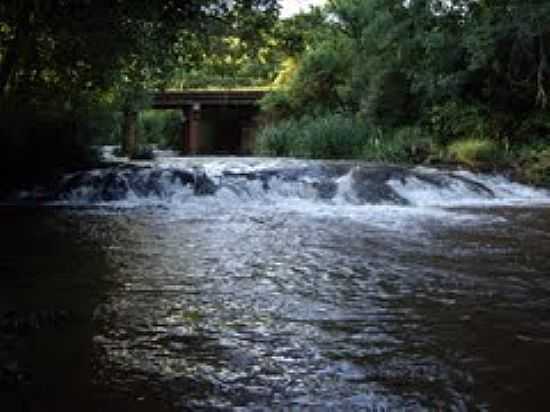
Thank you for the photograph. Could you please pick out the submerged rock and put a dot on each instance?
(114, 187)
(326, 189)
(352, 182)
(203, 185)
(371, 184)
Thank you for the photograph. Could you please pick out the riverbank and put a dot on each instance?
(340, 136)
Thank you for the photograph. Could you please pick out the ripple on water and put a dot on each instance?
(218, 305)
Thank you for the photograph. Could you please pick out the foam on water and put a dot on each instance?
(379, 194)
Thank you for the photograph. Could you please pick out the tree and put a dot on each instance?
(63, 48)
(425, 63)
(508, 43)
(68, 55)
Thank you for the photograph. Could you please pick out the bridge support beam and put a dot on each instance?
(195, 129)
(129, 133)
(191, 130)
(186, 115)
(248, 141)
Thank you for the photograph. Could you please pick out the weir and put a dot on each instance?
(174, 182)
(214, 121)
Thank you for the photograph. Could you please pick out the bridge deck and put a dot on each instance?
(179, 99)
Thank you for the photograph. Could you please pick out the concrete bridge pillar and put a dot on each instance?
(191, 129)
(186, 114)
(129, 133)
(248, 129)
(195, 128)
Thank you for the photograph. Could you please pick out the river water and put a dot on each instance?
(253, 284)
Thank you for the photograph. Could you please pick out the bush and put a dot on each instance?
(287, 72)
(326, 136)
(406, 144)
(389, 101)
(321, 76)
(475, 152)
(456, 120)
(161, 128)
(342, 136)
(319, 82)
(100, 126)
(276, 140)
(277, 104)
(534, 128)
(535, 164)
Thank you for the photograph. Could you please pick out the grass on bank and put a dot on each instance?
(341, 136)
(475, 152)
(337, 136)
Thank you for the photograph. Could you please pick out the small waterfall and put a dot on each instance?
(329, 183)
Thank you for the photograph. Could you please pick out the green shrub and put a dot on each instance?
(319, 79)
(388, 101)
(325, 136)
(275, 140)
(456, 120)
(407, 144)
(533, 128)
(343, 136)
(475, 152)
(330, 136)
(100, 126)
(535, 164)
(161, 128)
(277, 104)
(318, 82)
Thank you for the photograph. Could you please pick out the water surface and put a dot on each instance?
(279, 283)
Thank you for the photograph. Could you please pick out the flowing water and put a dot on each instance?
(253, 284)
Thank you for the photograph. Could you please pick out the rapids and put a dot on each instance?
(174, 182)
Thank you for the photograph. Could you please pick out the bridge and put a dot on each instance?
(214, 121)
(211, 98)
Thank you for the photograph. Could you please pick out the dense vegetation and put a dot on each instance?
(422, 80)
(68, 69)
(411, 81)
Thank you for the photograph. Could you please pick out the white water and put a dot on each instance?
(390, 197)
(230, 175)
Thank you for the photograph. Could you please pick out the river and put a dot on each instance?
(253, 284)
